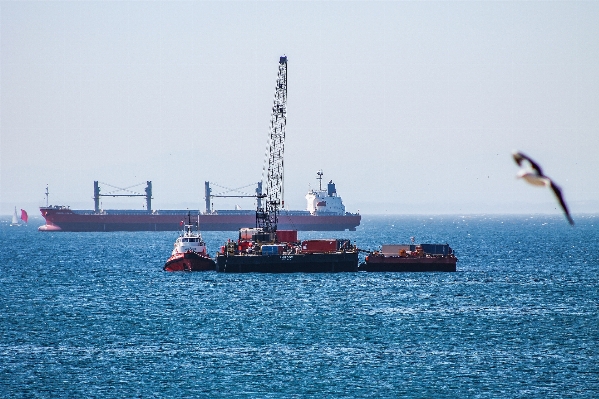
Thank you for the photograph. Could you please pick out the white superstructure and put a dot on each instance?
(325, 202)
(189, 241)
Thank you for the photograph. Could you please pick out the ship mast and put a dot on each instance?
(272, 174)
(319, 173)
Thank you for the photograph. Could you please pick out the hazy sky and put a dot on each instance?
(410, 107)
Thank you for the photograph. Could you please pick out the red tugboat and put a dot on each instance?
(189, 253)
(411, 258)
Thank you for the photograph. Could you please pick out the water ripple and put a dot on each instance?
(94, 315)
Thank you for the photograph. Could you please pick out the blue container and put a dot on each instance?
(272, 249)
(436, 249)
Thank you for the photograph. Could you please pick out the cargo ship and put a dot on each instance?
(411, 258)
(257, 251)
(325, 212)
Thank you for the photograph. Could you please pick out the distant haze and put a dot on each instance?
(409, 107)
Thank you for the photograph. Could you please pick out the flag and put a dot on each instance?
(24, 216)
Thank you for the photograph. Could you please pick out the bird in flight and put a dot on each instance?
(534, 175)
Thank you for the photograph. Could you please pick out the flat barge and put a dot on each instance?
(288, 263)
(281, 252)
(411, 258)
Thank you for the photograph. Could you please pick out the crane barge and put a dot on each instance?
(267, 249)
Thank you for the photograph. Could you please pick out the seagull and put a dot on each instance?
(534, 175)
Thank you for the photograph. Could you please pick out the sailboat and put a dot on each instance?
(15, 220)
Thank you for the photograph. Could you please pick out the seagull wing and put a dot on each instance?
(558, 193)
(518, 157)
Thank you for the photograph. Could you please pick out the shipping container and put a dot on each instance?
(430, 249)
(394, 249)
(272, 249)
(319, 246)
(436, 249)
(287, 235)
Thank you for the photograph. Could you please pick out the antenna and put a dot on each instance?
(319, 173)
(47, 195)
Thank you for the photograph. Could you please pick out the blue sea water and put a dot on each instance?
(94, 315)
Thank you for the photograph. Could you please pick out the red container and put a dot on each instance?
(244, 245)
(287, 235)
(319, 246)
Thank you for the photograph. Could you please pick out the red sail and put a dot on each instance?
(24, 216)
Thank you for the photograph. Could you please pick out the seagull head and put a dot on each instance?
(527, 165)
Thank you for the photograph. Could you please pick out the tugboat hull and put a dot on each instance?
(292, 263)
(189, 262)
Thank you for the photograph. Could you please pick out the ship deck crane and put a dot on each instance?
(208, 194)
(97, 195)
(272, 173)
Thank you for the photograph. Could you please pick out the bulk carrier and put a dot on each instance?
(324, 212)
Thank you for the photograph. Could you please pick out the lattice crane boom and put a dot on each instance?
(273, 173)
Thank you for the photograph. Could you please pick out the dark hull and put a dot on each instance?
(189, 262)
(297, 263)
(68, 220)
(399, 264)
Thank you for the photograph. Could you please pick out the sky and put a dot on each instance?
(409, 107)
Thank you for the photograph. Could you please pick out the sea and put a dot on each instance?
(93, 315)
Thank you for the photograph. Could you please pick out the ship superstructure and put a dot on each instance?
(325, 202)
(189, 252)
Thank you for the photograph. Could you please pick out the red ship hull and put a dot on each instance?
(65, 219)
(189, 262)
